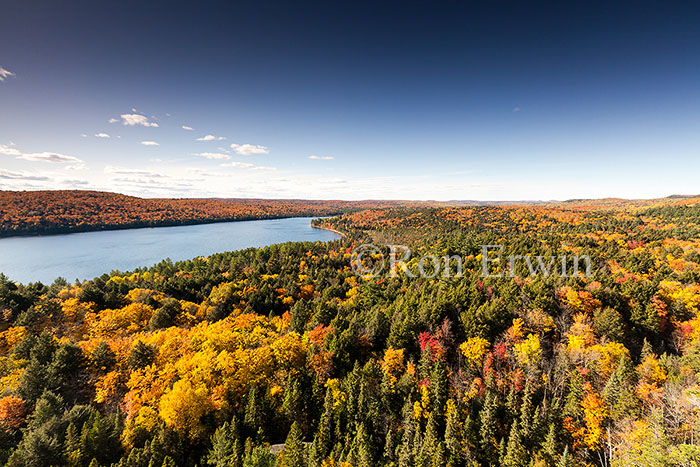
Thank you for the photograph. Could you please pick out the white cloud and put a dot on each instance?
(188, 128)
(9, 151)
(111, 169)
(321, 158)
(238, 165)
(136, 119)
(101, 135)
(245, 165)
(150, 143)
(5, 74)
(49, 157)
(211, 138)
(10, 175)
(212, 155)
(249, 149)
(39, 156)
(113, 120)
(75, 167)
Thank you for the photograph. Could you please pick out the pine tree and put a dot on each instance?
(439, 458)
(550, 446)
(253, 419)
(103, 357)
(389, 455)
(361, 452)
(73, 453)
(259, 456)
(502, 451)
(488, 417)
(619, 391)
(453, 435)
(565, 459)
(405, 450)
(141, 355)
(528, 419)
(225, 446)
(646, 349)
(430, 441)
(323, 439)
(470, 437)
(294, 454)
(511, 406)
(572, 406)
(99, 438)
(515, 452)
(293, 401)
(438, 390)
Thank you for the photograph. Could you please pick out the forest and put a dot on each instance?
(283, 356)
(65, 211)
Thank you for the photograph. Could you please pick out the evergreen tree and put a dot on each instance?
(72, 446)
(294, 454)
(565, 460)
(529, 416)
(515, 451)
(253, 420)
(430, 441)
(619, 391)
(389, 454)
(259, 456)
(103, 357)
(141, 355)
(572, 405)
(225, 446)
(488, 417)
(438, 391)
(323, 440)
(361, 452)
(453, 435)
(439, 458)
(550, 446)
(293, 404)
(405, 449)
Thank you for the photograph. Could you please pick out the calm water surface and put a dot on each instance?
(90, 254)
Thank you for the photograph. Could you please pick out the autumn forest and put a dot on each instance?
(283, 356)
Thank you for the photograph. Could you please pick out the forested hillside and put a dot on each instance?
(63, 211)
(212, 361)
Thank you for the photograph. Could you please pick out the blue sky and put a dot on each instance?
(403, 100)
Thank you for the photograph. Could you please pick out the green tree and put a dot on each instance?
(141, 355)
(294, 453)
(225, 446)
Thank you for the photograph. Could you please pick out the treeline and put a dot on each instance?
(64, 211)
(283, 356)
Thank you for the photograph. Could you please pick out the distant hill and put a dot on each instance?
(63, 211)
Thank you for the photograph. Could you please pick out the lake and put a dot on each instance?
(90, 254)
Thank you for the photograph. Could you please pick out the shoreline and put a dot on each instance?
(110, 228)
(329, 230)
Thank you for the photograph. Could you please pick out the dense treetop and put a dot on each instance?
(214, 360)
(60, 211)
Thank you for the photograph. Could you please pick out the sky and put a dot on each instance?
(432, 100)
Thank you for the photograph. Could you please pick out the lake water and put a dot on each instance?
(91, 254)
